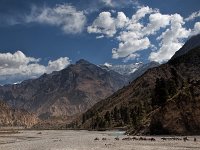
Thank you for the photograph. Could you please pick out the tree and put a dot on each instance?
(125, 114)
(107, 116)
(83, 118)
(160, 92)
(133, 116)
(101, 123)
(116, 114)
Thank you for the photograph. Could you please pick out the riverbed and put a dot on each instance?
(91, 140)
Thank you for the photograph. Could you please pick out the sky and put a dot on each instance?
(41, 36)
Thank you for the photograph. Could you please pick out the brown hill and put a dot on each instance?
(15, 118)
(64, 93)
(164, 100)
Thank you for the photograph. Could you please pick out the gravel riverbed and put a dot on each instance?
(85, 140)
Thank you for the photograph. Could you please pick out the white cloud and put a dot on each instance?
(130, 37)
(141, 13)
(58, 64)
(121, 20)
(134, 34)
(165, 52)
(17, 67)
(156, 21)
(64, 16)
(107, 25)
(196, 29)
(103, 24)
(15, 60)
(171, 39)
(193, 16)
(130, 46)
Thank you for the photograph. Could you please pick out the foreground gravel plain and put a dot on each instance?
(84, 140)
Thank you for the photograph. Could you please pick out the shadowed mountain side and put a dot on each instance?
(164, 100)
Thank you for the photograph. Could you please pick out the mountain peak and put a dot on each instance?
(83, 61)
(124, 69)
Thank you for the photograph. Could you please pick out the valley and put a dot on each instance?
(98, 75)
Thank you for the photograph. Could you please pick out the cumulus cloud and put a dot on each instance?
(15, 60)
(171, 39)
(193, 16)
(133, 38)
(58, 64)
(103, 24)
(196, 29)
(121, 20)
(130, 46)
(130, 37)
(133, 34)
(107, 25)
(64, 16)
(142, 12)
(17, 67)
(156, 21)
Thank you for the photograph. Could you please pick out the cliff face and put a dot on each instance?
(15, 117)
(64, 93)
(164, 100)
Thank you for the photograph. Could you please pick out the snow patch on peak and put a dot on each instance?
(123, 69)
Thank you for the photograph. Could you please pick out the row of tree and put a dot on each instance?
(119, 116)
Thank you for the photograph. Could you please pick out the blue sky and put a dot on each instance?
(41, 36)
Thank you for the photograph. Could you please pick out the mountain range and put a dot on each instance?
(148, 98)
(63, 93)
(66, 93)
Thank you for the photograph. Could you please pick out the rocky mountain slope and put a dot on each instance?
(64, 93)
(15, 117)
(164, 100)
